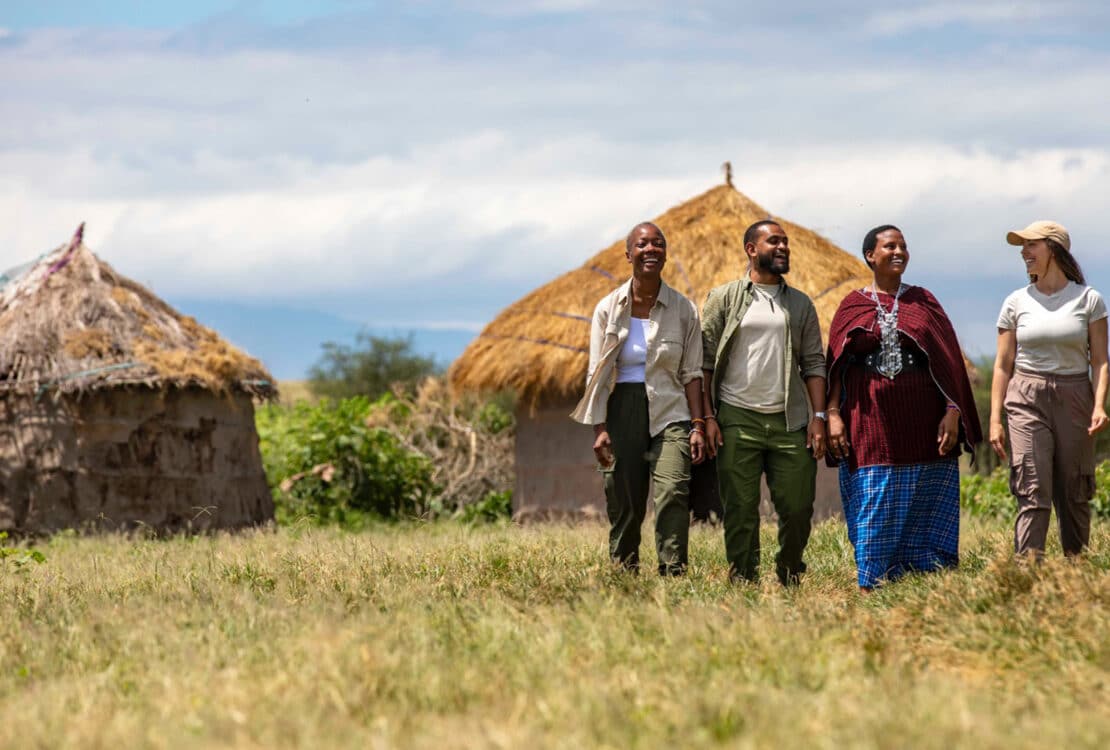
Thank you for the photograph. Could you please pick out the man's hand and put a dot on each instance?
(815, 438)
(713, 438)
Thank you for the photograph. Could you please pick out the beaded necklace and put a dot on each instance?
(890, 351)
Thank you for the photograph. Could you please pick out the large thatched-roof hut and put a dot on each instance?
(116, 411)
(538, 346)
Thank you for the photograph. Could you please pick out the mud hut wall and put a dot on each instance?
(170, 459)
(556, 474)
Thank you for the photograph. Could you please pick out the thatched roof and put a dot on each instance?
(70, 323)
(539, 345)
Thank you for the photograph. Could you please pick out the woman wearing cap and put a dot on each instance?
(643, 397)
(1051, 339)
(900, 405)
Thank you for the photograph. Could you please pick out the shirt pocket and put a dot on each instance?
(668, 352)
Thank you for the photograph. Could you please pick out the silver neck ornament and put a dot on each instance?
(890, 351)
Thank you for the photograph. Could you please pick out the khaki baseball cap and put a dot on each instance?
(1040, 230)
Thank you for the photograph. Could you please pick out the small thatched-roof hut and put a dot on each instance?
(117, 411)
(539, 345)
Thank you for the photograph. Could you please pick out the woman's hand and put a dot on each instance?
(713, 439)
(948, 432)
(603, 446)
(697, 447)
(1099, 421)
(838, 437)
(998, 440)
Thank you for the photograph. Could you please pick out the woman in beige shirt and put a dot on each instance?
(643, 398)
(1051, 341)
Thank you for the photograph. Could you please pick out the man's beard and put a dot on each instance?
(767, 263)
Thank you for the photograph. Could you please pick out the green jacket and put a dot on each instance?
(726, 306)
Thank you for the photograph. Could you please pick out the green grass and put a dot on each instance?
(451, 636)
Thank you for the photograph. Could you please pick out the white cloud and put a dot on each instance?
(935, 15)
(295, 173)
(383, 222)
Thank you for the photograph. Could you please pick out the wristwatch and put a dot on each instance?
(821, 415)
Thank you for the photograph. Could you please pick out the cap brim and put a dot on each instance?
(1017, 238)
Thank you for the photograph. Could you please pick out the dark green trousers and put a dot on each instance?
(757, 444)
(663, 462)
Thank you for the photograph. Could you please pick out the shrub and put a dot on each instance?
(989, 495)
(325, 462)
(493, 508)
(468, 441)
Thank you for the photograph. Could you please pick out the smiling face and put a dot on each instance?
(646, 250)
(771, 250)
(1037, 256)
(889, 256)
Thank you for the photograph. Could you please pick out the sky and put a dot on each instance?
(296, 172)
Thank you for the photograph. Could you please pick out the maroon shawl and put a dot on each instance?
(921, 318)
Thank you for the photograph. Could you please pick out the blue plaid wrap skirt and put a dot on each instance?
(902, 518)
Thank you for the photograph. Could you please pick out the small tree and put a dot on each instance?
(369, 368)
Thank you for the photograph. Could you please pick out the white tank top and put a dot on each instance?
(633, 355)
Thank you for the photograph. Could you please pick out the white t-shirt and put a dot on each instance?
(1052, 329)
(755, 376)
(633, 355)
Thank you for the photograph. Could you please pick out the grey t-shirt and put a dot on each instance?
(1052, 329)
(755, 377)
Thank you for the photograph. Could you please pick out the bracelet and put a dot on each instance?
(951, 407)
(697, 430)
(698, 420)
(709, 417)
(833, 409)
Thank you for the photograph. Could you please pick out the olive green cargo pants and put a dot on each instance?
(755, 444)
(664, 460)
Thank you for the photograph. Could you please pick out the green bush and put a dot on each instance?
(325, 463)
(495, 507)
(989, 494)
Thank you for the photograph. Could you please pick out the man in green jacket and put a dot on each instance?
(764, 369)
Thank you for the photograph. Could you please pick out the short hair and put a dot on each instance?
(628, 237)
(752, 232)
(871, 239)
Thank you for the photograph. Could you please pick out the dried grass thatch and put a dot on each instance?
(538, 346)
(73, 324)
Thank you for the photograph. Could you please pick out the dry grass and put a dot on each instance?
(443, 636)
(295, 391)
(537, 347)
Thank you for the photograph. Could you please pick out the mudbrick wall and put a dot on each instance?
(557, 476)
(170, 460)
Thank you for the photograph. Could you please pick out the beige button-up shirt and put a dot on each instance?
(674, 355)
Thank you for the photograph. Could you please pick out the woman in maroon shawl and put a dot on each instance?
(900, 406)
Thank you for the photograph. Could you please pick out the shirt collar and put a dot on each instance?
(663, 299)
(747, 283)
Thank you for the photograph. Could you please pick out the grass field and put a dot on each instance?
(448, 636)
(291, 392)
